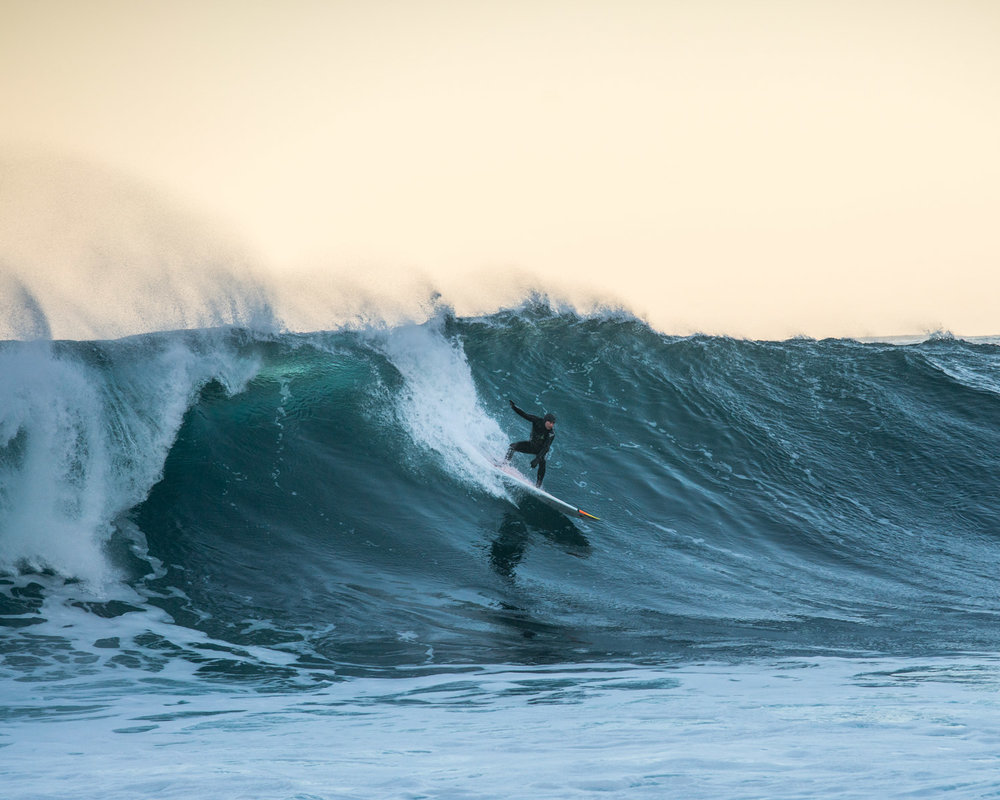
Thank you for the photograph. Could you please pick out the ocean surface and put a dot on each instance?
(244, 564)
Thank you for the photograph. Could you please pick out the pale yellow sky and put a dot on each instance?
(764, 169)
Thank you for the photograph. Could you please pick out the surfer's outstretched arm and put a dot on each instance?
(520, 412)
(517, 410)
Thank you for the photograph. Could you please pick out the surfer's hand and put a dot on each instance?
(513, 404)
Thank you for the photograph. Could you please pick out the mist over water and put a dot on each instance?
(86, 253)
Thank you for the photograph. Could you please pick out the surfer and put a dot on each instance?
(542, 434)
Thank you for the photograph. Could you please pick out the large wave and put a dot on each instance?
(330, 494)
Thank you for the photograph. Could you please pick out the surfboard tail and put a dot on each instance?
(526, 483)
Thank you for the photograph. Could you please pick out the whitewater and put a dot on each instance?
(240, 561)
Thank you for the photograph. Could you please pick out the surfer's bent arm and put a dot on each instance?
(545, 447)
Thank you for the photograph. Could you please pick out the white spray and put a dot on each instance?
(81, 443)
(439, 405)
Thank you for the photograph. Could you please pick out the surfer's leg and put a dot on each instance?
(518, 447)
(541, 472)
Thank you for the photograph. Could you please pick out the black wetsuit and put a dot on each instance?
(538, 445)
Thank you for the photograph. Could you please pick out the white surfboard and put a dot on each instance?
(523, 482)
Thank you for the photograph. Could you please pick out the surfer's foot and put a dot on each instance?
(538, 484)
(510, 454)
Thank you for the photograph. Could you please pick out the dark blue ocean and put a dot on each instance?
(244, 564)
